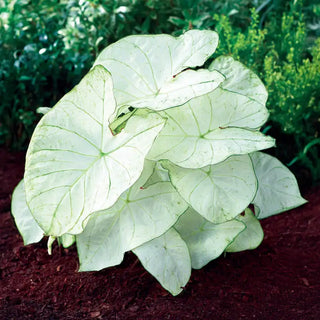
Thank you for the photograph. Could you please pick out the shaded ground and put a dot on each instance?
(279, 280)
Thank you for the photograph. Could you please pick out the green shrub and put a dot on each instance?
(34, 67)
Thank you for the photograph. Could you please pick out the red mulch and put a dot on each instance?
(279, 280)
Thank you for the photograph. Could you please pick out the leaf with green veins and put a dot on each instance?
(26, 224)
(139, 215)
(205, 240)
(148, 70)
(74, 164)
(210, 128)
(240, 80)
(278, 189)
(167, 259)
(251, 237)
(218, 192)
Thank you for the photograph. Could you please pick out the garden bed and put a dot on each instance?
(279, 280)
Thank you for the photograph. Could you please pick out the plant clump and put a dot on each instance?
(152, 153)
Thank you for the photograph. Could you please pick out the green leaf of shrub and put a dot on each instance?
(278, 190)
(167, 259)
(219, 192)
(74, 165)
(205, 240)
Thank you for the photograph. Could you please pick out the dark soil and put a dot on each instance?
(279, 280)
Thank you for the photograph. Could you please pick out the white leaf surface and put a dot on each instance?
(74, 165)
(218, 192)
(139, 215)
(210, 128)
(241, 81)
(167, 259)
(27, 226)
(251, 237)
(206, 241)
(148, 70)
(278, 189)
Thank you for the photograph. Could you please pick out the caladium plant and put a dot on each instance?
(152, 153)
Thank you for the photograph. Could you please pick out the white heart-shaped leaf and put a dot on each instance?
(251, 237)
(218, 192)
(278, 190)
(241, 81)
(27, 226)
(206, 241)
(148, 70)
(210, 128)
(167, 259)
(74, 165)
(139, 215)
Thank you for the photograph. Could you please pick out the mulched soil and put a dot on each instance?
(279, 280)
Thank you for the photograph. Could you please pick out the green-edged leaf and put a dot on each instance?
(241, 81)
(27, 226)
(210, 128)
(219, 192)
(74, 165)
(67, 240)
(167, 259)
(206, 241)
(251, 237)
(148, 70)
(278, 190)
(140, 215)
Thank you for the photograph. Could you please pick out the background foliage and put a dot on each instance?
(46, 46)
